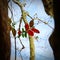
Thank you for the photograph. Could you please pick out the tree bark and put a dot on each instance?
(4, 32)
(32, 48)
(55, 37)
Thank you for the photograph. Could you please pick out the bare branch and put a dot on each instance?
(22, 45)
(20, 23)
(41, 21)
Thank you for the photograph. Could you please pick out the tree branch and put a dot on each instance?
(31, 39)
(41, 21)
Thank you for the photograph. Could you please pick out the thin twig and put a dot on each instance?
(22, 45)
(41, 21)
(15, 48)
(20, 23)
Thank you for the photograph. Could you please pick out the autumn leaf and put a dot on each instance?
(13, 31)
(30, 32)
(19, 32)
(35, 30)
(26, 26)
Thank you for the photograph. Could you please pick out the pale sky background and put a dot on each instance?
(42, 46)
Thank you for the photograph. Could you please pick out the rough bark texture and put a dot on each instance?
(4, 32)
(55, 37)
(32, 48)
(48, 5)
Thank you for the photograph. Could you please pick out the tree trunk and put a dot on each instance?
(55, 37)
(32, 48)
(4, 32)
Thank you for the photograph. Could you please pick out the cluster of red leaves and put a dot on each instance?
(31, 31)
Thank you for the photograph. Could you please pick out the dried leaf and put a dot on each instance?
(13, 31)
(9, 20)
(31, 23)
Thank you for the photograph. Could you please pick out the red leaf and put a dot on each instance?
(30, 32)
(19, 32)
(26, 26)
(35, 30)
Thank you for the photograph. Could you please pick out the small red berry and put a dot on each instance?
(35, 30)
(19, 32)
(30, 32)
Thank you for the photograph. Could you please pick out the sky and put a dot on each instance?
(43, 49)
